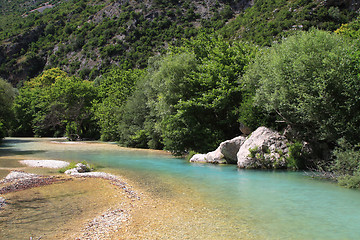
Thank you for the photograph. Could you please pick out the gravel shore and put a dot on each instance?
(104, 225)
(19, 180)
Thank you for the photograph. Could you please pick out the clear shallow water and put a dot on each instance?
(273, 204)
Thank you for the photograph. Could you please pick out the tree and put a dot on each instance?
(192, 94)
(7, 95)
(70, 108)
(311, 81)
(55, 104)
(113, 90)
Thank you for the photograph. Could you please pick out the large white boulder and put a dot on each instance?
(225, 153)
(230, 148)
(215, 157)
(264, 148)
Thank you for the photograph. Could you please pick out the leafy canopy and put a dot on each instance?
(311, 81)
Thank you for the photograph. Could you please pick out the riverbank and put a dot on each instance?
(98, 208)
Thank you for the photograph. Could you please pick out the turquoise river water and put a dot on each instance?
(274, 204)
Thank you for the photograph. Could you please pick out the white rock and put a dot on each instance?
(230, 148)
(269, 145)
(211, 157)
(71, 171)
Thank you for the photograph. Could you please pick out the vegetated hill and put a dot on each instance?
(23, 6)
(270, 21)
(87, 37)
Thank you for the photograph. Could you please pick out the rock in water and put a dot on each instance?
(215, 157)
(264, 148)
(225, 153)
(231, 147)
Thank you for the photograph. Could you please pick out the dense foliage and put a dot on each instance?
(270, 21)
(7, 95)
(311, 81)
(114, 88)
(86, 37)
(54, 104)
(347, 164)
(189, 96)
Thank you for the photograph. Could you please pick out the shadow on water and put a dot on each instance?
(13, 152)
(7, 147)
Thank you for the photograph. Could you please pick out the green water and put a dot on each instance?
(273, 204)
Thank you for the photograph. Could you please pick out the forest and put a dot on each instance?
(192, 94)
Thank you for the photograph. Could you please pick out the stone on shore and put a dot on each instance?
(79, 168)
(264, 148)
(45, 163)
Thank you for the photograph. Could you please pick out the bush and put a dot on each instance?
(347, 159)
(346, 165)
(190, 155)
(296, 159)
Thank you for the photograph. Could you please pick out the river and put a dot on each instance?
(248, 203)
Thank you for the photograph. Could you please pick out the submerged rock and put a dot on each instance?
(45, 163)
(264, 148)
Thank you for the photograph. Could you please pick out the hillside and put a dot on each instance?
(88, 37)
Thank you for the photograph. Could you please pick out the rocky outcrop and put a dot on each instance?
(264, 148)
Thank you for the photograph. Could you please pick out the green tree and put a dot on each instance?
(192, 94)
(311, 81)
(113, 90)
(7, 95)
(55, 104)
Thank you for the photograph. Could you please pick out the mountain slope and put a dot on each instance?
(87, 37)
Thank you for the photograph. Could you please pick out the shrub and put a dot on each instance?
(296, 159)
(346, 165)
